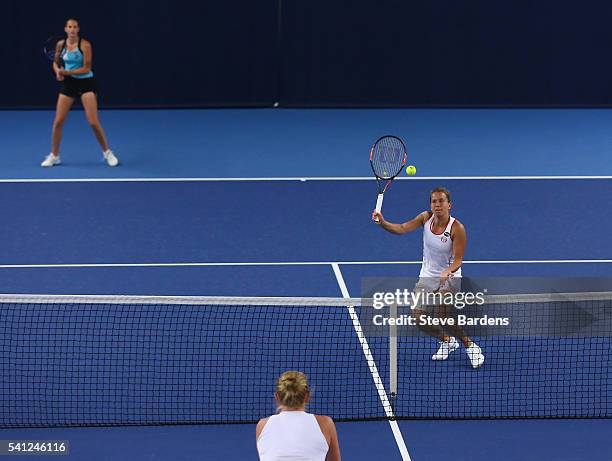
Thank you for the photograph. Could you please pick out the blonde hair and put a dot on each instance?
(292, 389)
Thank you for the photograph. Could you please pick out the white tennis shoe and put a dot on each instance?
(110, 158)
(475, 355)
(51, 160)
(445, 349)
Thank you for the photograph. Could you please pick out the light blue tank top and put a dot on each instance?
(74, 60)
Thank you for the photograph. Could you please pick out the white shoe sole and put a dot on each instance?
(49, 165)
(478, 363)
(436, 358)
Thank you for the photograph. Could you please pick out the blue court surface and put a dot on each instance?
(268, 202)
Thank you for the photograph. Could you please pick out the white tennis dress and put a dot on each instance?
(437, 250)
(292, 436)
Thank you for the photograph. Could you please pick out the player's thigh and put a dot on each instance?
(62, 107)
(418, 315)
(90, 104)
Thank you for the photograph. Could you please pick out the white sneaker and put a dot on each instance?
(475, 355)
(51, 160)
(445, 349)
(110, 158)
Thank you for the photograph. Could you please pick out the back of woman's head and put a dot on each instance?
(292, 390)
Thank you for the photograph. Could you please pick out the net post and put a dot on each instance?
(393, 354)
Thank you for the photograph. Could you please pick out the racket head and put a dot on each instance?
(50, 47)
(388, 157)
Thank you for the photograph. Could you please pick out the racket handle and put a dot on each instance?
(379, 202)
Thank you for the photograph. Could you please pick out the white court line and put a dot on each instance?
(399, 439)
(297, 178)
(293, 263)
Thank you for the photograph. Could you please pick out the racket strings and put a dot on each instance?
(388, 157)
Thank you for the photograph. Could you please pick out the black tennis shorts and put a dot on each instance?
(75, 87)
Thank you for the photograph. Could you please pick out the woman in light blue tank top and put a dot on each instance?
(72, 67)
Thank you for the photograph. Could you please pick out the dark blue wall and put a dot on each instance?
(469, 52)
(156, 52)
(330, 52)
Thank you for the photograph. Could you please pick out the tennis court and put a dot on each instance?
(277, 203)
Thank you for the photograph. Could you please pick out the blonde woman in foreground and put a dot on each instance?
(294, 434)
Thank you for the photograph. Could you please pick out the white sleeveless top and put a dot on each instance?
(437, 250)
(292, 436)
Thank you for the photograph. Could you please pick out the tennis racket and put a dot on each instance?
(50, 50)
(387, 158)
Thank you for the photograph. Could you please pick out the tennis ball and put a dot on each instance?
(410, 170)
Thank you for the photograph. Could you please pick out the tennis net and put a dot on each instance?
(125, 360)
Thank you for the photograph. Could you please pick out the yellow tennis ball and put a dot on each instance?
(410, 170)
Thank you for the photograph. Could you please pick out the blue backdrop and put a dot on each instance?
(320, 53)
